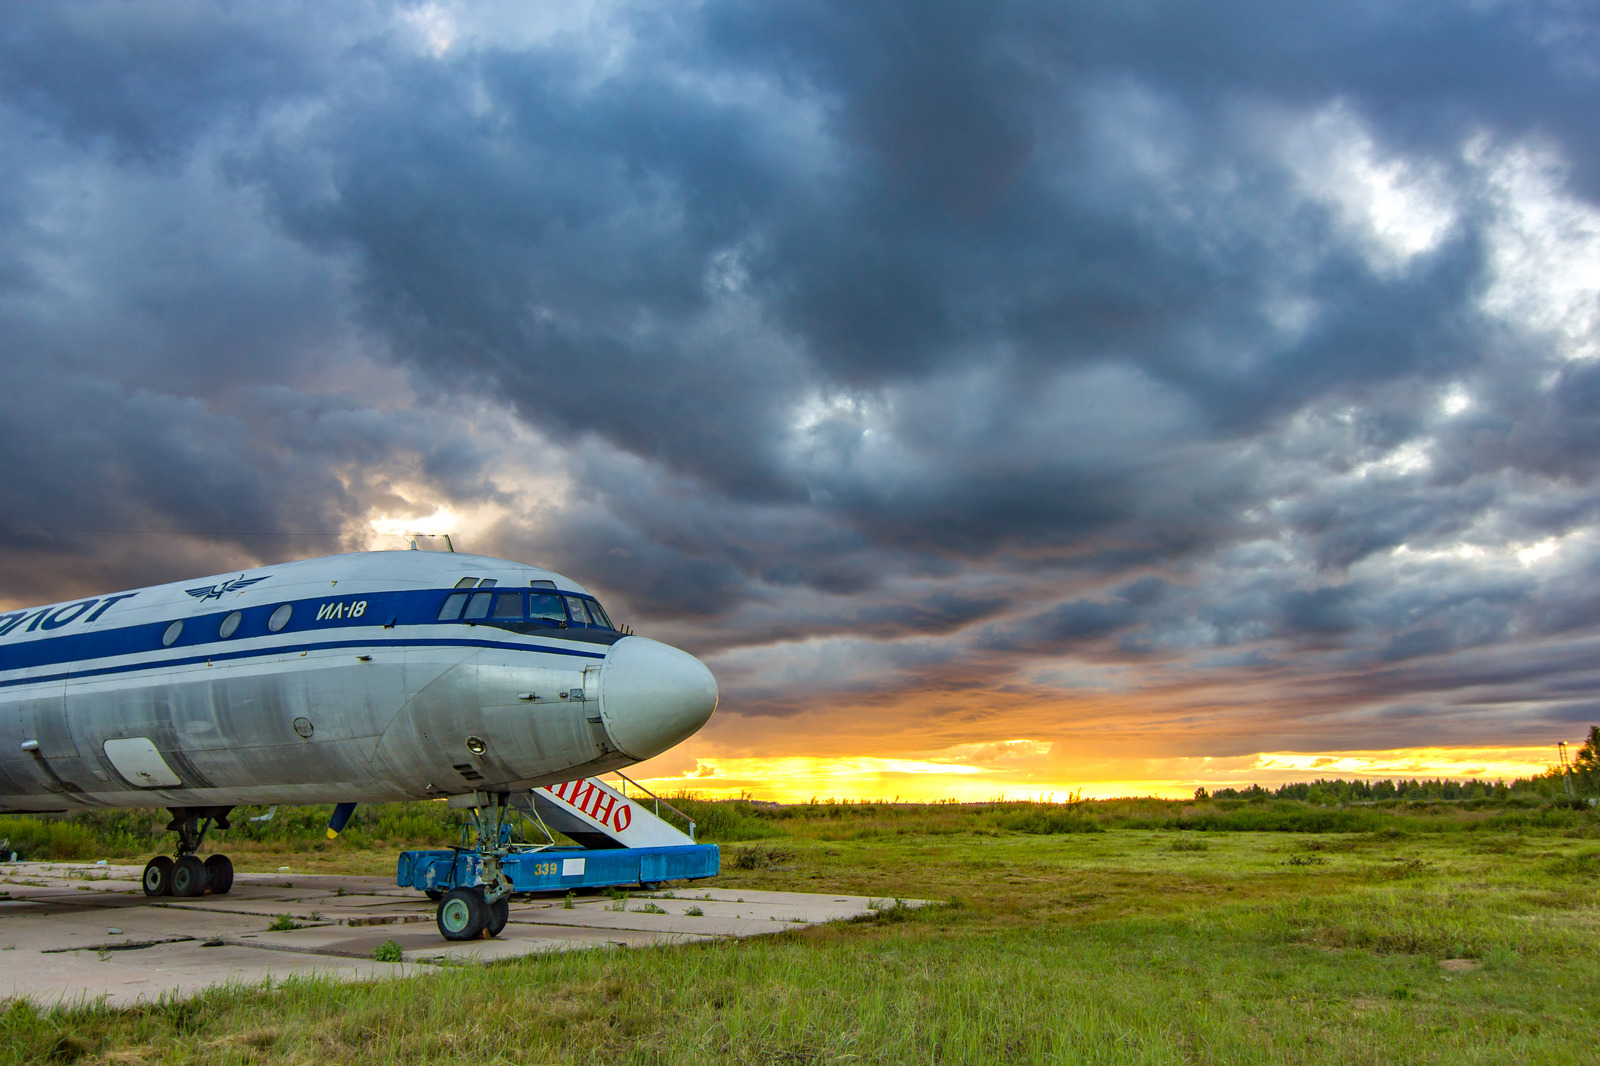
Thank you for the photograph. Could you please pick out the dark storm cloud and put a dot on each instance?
(89, 465)
(516, 220)
(149, 78)
(939, 342)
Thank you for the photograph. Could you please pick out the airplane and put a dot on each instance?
(362, 678)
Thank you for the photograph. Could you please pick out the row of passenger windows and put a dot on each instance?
(550, 609)
(230, 625)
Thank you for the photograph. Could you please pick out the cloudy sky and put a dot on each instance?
(1000, 397)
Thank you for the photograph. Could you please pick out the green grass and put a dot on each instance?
(1136, 945)
(377, 831)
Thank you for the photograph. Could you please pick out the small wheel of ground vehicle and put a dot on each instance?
(499, 914)
(462, 914)
(219, 874)
(158, 876)
(188, 876)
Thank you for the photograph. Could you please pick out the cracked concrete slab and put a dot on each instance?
(87, 933)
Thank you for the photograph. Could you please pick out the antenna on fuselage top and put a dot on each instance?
(449, 546)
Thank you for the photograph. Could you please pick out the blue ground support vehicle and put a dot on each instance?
(554, 869)
(474, 882)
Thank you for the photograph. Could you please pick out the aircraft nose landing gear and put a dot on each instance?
(466, 912)
(462, 914)
(187, 875)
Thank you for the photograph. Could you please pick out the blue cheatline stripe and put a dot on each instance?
(411, 607)
(288, 649)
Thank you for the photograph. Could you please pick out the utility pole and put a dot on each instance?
(1566, 769)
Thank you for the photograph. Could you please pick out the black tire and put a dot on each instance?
(499, 915)
(188, 877)
(435, 894)
(462, 914)
(158, 876)
(219, 874)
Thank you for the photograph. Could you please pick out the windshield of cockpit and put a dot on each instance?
(542, 607)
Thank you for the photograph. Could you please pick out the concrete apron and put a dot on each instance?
(77, 933)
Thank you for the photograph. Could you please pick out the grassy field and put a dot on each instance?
(1133, 931)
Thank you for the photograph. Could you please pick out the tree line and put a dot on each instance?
(1583, 778)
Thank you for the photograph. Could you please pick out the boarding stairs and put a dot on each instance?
(601, 816)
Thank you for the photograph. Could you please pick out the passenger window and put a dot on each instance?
(478, 606)
(452, 606)
(170, 637)
(508, 605)
(545, 608)
(575, 607)
(230, 625)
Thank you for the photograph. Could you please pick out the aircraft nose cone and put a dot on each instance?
(653, 696)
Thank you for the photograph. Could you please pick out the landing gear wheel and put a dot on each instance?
(188, 876)
(462, 914)
(158, 876)
(219, 874)
(499, 914)
(434, 894)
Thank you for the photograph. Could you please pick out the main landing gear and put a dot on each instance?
(187, 875)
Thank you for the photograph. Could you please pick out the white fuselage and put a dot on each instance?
(382, 680)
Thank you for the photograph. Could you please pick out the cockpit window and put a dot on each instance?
(586, 612)
(580, 616)
(545, 608)
(466, 582)
(478, 606)
(452, 606)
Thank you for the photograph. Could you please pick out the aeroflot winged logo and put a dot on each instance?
(216, 592)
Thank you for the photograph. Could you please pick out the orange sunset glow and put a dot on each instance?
(953, 777)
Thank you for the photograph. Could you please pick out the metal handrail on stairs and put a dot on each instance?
(658, 801)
